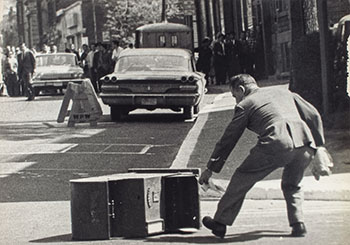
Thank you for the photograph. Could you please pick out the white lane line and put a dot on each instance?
(8, 168)
(183, 156)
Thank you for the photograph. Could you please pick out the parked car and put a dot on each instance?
(55, 71)
(153, 78)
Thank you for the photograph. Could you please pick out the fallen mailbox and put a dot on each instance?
(134, 204)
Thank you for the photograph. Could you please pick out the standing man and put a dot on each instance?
(72, 50)
(289, 129)
(231, 55)
(219, 59)
(101, 63)
(90, 62)
(204, 57)
(11, 67)
(84, 60)
(115, 53)
(26, 67)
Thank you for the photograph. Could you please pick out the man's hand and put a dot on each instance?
(205, 176)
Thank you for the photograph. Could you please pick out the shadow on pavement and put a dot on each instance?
(59, 238)
(244, 237)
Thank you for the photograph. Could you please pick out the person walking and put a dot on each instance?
(289, 130)
(26, 67)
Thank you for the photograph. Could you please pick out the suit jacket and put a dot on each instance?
(281, 119)
(219, 53)
(26, 62)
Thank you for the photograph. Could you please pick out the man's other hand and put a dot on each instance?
(205, 176)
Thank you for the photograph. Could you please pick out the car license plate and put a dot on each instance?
(58, 84)
(149, 101)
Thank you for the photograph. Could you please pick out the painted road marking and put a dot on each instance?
(8, 168)
(183, 156)
(61, 148)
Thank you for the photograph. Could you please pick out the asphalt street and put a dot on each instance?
(38, 157)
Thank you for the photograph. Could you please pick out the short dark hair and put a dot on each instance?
(242, 79)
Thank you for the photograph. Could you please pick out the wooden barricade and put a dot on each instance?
(85, 107)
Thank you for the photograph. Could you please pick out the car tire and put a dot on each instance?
(116, 113)
(188, 112)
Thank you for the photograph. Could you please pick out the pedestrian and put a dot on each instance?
(45, 49)
(219, 59)
(84, 60)
(243, 49)
(11, 81)
(205, 54)
(116, 52)
(72, 50)
(101, 63)
(90, 62)
(26, 67)
(289, 130)
(53, 49)
(231, 51)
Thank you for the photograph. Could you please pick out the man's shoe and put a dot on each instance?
(216, 228)
(298, 230)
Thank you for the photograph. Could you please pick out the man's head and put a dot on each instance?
(241, 85)
(23, 47)
(45, 48)
(85, 47)
(53, 48)
(115, 43)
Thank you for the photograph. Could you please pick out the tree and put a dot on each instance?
(124, 16)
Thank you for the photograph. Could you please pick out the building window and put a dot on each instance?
(162, 41)
(281, 5)
(173, 41)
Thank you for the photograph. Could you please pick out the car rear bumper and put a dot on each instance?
(151, 100)
(55, 83)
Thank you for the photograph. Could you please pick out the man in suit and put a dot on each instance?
(101, 63)
(26, 67)
(219, 59)
(289, 129)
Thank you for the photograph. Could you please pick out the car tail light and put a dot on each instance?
(114, 79)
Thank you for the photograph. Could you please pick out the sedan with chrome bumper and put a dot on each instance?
(153, 78)
(54, 71)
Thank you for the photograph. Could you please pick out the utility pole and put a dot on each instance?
(163, 10)
(324, 40)
(94, 18)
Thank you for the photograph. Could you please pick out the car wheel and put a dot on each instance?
(116, 113)
(196, 109)
(188, 112)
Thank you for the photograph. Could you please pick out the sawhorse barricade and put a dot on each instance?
(85, 107)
